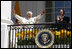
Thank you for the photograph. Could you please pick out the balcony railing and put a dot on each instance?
(23, 35)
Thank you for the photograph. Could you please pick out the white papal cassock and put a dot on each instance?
(32, 20)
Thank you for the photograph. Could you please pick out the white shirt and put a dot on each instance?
(32, 20)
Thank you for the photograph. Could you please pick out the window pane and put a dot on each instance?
(67, 9)
(48, 4)
(68, 14)
(59, 4)
(48, 17)
(67, 3)
(49, 10)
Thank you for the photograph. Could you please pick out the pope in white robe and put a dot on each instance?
(30, 20)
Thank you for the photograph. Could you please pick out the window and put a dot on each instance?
(49, 11)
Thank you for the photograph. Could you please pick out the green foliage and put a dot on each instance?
(63, 40)
(26, 42)
(31, 41)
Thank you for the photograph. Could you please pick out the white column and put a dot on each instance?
(5, 9)
(5, 20)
